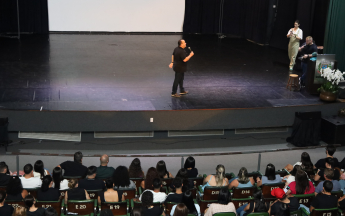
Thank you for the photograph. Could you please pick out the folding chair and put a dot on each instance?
(305, 199)
(243, 192)
(197, 181)
(117, 208)
(225, 214)
(211, 193)
(205, 203)
(32, 191)
(14, 203)
(81, 207)
(238, 202)
(57, 205)
(93, 194)
(168, 207)
(128, 193)
(267, 188)
(296, 213)
(259, 214)
(322, 212)
(137, 182)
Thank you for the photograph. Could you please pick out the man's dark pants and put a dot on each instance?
(304, 71)
(178, 82)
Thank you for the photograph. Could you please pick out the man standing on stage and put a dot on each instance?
(308, 50)
(179, 64)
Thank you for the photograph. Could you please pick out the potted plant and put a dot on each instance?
(329, 90)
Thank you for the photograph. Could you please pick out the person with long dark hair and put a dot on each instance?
(187, 199)
(121, 178)
(31, 209)
(295, 34)
(290, 201)
(305, 163)
(224, 204)
(270, 176)
(181, 210)
(162, 170)
(189, 165)
(150, 176)
(58, 181)
(302, 185)
(187, 183)
(147, 205)
(135, 170)
(5, 209)
(15, 189)
(4, 177)
(242, 180)
(110, 195)
(39, 170)
(257, 205)
(47, 192)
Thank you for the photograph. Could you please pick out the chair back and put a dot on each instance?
(197, 181)
(73, 177)
(117, 208)
(32, 191)
(324, 212)
(14, 203)
(62, 193)
(242, 201)
(138, 204)
(137, 181)
(224, 214)
(57, 205)
(258, 214)
(296, 213)
(267, 188)
(93, 194)
(204, 204)
(81, 207)
(305, 199)
(211, 193)
(243, 192)
(193, 191)
(128, 193)
(338, 194)
(168, 207)
(167, 182)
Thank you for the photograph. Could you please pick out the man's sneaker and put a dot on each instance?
(299, 82)
(175, 95)
(183, 93)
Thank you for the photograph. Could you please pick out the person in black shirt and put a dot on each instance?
(32, 210)
(179, 65)
(329, 164)
(5, 209)
(325, 200)
(189, 165)
(47, 192)
(50, 211)
(178, 195)
(147, 205)
(75, 193)
(291, 202)
(91, 183)
(4, 178)
(307, 50)
(74, 168)
(330, 150)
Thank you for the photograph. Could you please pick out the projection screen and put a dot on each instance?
(116, 15)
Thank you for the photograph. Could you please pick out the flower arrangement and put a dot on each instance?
(333, 78)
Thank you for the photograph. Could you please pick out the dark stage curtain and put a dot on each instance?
(33, 16)
(243, 18)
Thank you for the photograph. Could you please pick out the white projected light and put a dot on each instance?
(116, 15)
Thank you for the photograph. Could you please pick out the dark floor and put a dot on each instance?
(130, 72)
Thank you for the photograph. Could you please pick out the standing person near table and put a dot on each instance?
(308, 51)
(179, 64)
(295, 34)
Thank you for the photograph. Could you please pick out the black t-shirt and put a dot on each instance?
(52, 194)
(73, 169)
(193, 173)
(91, 184)
(38, 212)
(323, 201)
(179, 55)
(4, 179)
(293, 205)
(335, 177)
(6, 210)
(321, 163)
(308, 49)
(174, 197)
(76, 194)
(155, 211)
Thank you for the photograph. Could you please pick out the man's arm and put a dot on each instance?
(172, 61)
(188, 57)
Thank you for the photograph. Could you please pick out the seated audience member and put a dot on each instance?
(305, 163)
(257, 205)
(15, 190)
(330, 150)
(301, 185)
(106, 212)
(187, 183)
(121, 178)
(8, 172)
(187, 199)
(19, 211)
(291, 202)
(31, 209)
(162, 170)
(75, 193)
(242, 180)
(292, 177)
(90, 182)
(29, 181)
(5, 209)
(136, 211)
(328, 175)
(150, 176)
(50, 211)
(270, 176)
(158, 196)
(147, 205)
(181, 210)
(324, 200)
(103, 171)
(74, 168)
(58, 181)
(218, 179)
(110, 195)
(39, 170)
(189, 165)
(177, 196)
(4, 177)
(135, 170)
(328, 164)
(224, 204)
(47, 192)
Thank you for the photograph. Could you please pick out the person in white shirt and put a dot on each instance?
(157, 195)
(295, 34)
(29, 181)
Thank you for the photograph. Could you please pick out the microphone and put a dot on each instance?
(190, 49)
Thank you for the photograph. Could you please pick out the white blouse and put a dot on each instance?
(298, 32)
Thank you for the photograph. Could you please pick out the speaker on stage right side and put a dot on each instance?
(333, 130)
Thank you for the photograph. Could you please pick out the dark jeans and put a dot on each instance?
(178, 82)
(304, 66)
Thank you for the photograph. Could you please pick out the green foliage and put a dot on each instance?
(329, 87)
